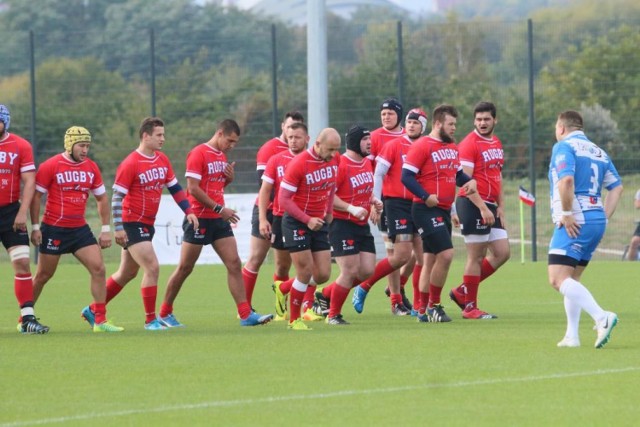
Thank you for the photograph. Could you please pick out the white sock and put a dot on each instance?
(573, 312)
(580, 296)
(299, 286)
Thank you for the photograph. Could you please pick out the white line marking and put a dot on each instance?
(330, 395)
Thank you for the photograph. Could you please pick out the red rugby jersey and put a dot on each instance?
(435, 164)
(268, 150)
(312, 180)
(486, 157)
(206, 164)
(354, 186)
(380, 137)
(16, 157)
(141, 178)
(393, 155)
(68, 185)
(274, 173)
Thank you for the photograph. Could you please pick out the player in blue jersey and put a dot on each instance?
(577, 172)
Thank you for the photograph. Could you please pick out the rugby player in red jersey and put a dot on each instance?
(431, 172)
(137, 191)
(16, 167)
(482, 158)
(67, 179)
(352, 243)
(306, 196)
(259, 245)
(208, 173)
(297, 136)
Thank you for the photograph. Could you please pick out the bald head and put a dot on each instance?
(327, 144)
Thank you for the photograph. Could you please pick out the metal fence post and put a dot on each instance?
(274, 81)
(152, 58)
(532, 151)
(400, 63)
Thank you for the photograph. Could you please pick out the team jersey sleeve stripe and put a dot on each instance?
(120, 189)
(261, 166)
(171, 183)
(288, 186)
(193, 175)
(383, 161)
(410, 167)
(28, 168)
(270, 180)
(41, 189)
(99, 190)
(468, 164)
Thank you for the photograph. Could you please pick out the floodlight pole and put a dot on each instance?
(317, 81)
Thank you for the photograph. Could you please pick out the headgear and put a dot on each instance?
(354, 137)
(74, 135)
(392, 104)
(419, 115)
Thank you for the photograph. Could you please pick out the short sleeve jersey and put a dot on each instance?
(141, 179)
(486, 157)
(67, 185)
(206, 164)
(380, 137)
(268, 150)
(16, 157)
(435, 164)
(591, 169)
(354, 186)
(312, 180)
(393, 155)
(274, 173)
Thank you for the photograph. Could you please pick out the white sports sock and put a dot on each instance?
(581, 296)
(299, 286)
(573, 312)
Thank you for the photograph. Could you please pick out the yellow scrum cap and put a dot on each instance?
(73, 135)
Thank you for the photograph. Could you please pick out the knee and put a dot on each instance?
(98, 271)
(185, 269)
(234, 264)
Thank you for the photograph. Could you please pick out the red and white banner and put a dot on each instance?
(526, 197)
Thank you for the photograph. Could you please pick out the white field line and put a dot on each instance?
(329, 395)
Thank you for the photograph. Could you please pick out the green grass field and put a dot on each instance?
(380, 370)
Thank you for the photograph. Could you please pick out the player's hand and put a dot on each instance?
(121, 238)
(357, 211)
(432, 201)
(105, 239)
(36, 237)
(265, 229)
(193, 220)
(374, 216)
(569, 222)
(315, 224)
(229, 172)
(487, 216)
(470, 187)
(20, 223)
(230, 215)
(455, 220)
(377, 204)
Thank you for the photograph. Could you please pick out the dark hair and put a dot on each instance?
(299, 125)
(571, 119)
(149, 124)
(229, 126)
(442, 110)
(483, 107)
(295, 115)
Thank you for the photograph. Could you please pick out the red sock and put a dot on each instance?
(165, 309)
(486, 270)
(99, 311)
(285, 286)
(244, 310)
(113, 289)
(396, 299)
(277, 278)
(309, 297)
(249, 278)
(403, 280)
(417, 270)
(383, 269)
(471, 297)
(327, 291)
(338, 297)
(424, 300)
(295, 304)
(149, 294)
(23, 288)
(434, 294)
